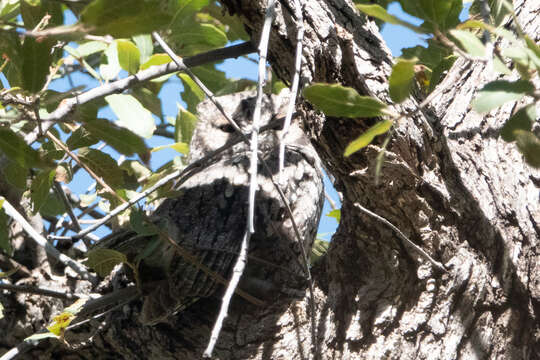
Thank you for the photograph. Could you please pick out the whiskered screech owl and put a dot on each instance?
(208, 217)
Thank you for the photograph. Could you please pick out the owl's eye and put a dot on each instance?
(228, 128)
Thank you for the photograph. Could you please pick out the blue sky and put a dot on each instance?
(396, 37)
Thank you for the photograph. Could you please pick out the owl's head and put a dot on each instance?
(213, 130)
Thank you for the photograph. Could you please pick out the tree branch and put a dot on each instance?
(69, 105)
(51, 250)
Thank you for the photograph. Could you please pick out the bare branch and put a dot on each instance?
(402, 236)
(241, 261)
(294, 87)
(51, 250)
(69, 105)
(38, 291)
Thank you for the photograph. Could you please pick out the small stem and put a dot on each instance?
(83, 165)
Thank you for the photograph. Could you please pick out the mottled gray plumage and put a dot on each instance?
(209, 216)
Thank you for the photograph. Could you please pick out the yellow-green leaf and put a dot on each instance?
(121, 139)
(128, 56)
(366, 138)
(470, 42)
(132, 115)
(103, 261)
(179, 146)
(380, 13)
(521, 120)
(39, 190)
(124, 18)
(156, 59)
(338, 100)
(497, 92)
(336, 214)
(401, 79)
(529, 145)
(103, 165)
(16, 149)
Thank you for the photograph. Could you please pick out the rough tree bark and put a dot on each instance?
(449, 183)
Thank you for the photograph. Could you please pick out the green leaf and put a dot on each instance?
(156, 59)
(10, 48)
(16, 175)
(81, 138)
(469, 42)
(437, 14)
(337, 100)
(90, 47)
(184, 10)
(103, 261)
(8, 11)
(184, 126)
(522, 55)
(132, 115)
(39, 190)
(32, 12)
(148, 99)
(529, 145)
(438, 72)
(53, 205)
(135, 168)
(319, 249)
(103, 165)
(380, 13)
(191, 94)
(521, 120)
(145, 45)
(366, 138)
(40, 336)
(179, 146)
(111, 69)
(496, 93)
(16, 149)
(5, 242)
(193, 37)
(124, 18)
(401, 79)
(232, 24)
(121, 139)
(140, 223)
(128, 56)
(336, 214)
(36, 61)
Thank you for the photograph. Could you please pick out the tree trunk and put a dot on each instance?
(449, 183)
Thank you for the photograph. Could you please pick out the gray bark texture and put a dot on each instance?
(449, 183)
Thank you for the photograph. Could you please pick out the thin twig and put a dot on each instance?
(486, 36)
(294, 87)
(330, 200)
(51, 250)
(67, 106)
(241, 261)
(418, 249)
(38, 291)
(180, 63)
(67, 204)
(98, 179)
